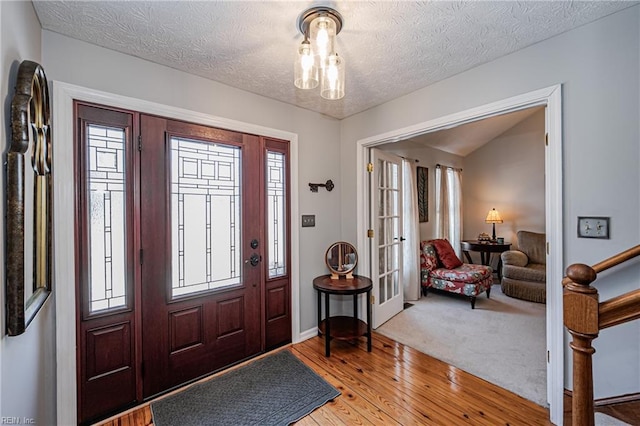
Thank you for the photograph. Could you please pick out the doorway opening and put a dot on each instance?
(551, 99)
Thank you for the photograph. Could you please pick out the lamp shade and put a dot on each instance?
(493, 217)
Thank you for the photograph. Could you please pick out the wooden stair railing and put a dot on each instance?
(584, 317)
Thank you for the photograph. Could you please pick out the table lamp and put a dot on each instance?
(493, 217)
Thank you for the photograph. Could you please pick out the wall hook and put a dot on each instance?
(328, 185)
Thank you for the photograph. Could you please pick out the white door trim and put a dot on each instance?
(551, 97)
(63, 191)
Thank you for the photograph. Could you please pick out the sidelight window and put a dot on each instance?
(106, 217)
(276, 213)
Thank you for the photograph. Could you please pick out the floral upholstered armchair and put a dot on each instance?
(440, 268)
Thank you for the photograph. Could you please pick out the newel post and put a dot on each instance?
(581, 319)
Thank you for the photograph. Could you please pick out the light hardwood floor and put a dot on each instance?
(395, 385)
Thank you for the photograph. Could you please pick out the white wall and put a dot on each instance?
(507, 174)
(599, 67)
(27, 372)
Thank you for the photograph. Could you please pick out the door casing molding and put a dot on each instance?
(64, 198)
(551, 97)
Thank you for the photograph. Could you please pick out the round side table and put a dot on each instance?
(343, 327)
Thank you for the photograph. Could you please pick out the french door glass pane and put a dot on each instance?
(276, 216)
(106, 210)
(388, 230)
(381, 288)
(205, 216)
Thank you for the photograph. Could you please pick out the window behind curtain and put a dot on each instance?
(449, 205)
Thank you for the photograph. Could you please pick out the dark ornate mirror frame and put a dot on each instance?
(29, 152)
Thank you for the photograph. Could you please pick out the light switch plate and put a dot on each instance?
(593, 227)
(308, 220)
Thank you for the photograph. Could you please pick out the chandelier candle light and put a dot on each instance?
(493, 217)
(317, 61)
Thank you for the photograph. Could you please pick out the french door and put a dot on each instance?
(183, 250)
(387, 243)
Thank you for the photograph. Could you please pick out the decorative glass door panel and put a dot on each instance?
(205, 216)
(106, 217)
(276, 214)
(386, 196)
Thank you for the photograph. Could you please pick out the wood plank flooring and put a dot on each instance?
(628, 412)
(394, 385)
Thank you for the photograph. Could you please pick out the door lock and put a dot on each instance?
(254, 259)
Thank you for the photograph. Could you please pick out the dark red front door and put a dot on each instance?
(201, 291)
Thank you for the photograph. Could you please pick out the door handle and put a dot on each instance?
(254, 259)
(401, 239)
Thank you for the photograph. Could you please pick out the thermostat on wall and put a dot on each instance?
(593, 227)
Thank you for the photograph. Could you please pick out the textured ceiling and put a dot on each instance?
(390, 48)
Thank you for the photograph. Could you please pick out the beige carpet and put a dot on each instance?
(502, 340)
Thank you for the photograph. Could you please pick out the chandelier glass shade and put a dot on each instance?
(317, 62)
(305, 70)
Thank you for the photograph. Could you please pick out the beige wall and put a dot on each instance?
(507, 174)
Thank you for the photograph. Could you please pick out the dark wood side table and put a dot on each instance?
(485, 249)
(343, 327)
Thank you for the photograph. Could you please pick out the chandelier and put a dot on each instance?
(317, 62)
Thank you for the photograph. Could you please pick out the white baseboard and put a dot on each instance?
(305, 335)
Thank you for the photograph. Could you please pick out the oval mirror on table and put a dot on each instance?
(341, 259)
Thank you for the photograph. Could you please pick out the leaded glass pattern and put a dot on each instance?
(106, 210)
(205, 216)
(276, 214)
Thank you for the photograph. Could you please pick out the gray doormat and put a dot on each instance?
(275, 390)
